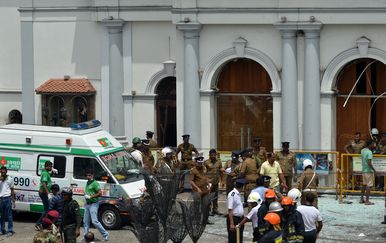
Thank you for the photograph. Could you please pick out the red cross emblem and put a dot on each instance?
(103, 143)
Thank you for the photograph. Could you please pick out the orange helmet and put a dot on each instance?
(287, 201)
(272, 218)
(270, 193)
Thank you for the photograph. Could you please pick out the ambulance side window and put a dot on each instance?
(59, 163)
(81, 164)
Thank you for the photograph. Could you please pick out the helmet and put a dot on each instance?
(165, 151)
(374, 131)
(254, 197)
(307, 162)
(66, 191)
(270, 193)
(272, 218)
(136, 140)
(295, 194)
(286, 201)
(53, 214)
(275, 207)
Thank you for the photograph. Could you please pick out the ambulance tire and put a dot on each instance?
(109, 217)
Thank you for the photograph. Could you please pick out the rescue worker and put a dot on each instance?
(292, 221)
(309, 181)
(198, 178)
(272, 168)
(274, 234)
(186, 149)
(135, 150)
(255, 200)
(262, 184)
(263, 210)
(71, 221)
(296, 196)
(152, 142)
(147, 156)
(166, 164)
(288, 164)
(249, 172)
(235, 211)
(56, 202)
(7, 197)
(312, 219)
(275, 207)
(232, 169)
(214, 172)
(259, 154)
(45, 235)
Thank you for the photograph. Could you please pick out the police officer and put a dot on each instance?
(147, 156)
(232, 170)
(292, 221)
(71, 217)
(214, 172)
(166, 164)
(186, 149)
(309, 182)
(198, 178)
(152, 142)
(235, 211)
(259, 154)
(249, 172)
(287, 161)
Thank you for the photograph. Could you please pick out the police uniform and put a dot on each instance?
(199, 177)
(293, 226)
(259, 156)
(249, 170)
(355, 147)
(286, 162)
(213, 171)
(71, 220)
(152, 142)
(308, 183)
(186, 154)
(231, 177)
(234, 202)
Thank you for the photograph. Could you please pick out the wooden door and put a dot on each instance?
(244, 105)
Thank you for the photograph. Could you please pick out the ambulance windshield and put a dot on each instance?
(121, 165)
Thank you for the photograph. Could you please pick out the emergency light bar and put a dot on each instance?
(85, 125)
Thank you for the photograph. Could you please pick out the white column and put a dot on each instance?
(191, 84)
(312, 116)
(289, 85)
(116, 114)
(128, 80)
(27, 70)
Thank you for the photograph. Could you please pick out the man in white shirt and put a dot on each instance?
(312, 219)
(7, 196)
(235, 211)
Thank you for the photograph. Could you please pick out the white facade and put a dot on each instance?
(126, 47)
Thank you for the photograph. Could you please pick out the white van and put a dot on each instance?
(25, 148)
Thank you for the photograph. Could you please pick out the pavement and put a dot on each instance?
(342, 223)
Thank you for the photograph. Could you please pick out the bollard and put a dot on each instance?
(238, 234)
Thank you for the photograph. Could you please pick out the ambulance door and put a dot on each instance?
(78, 182)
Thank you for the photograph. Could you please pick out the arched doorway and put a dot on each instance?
(166, 112)
(354, 117)
(244, 105)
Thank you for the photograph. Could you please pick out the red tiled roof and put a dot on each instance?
(66, 86)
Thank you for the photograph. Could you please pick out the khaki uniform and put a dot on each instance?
(201, 180)
(307, 185)
(214, 171)
(148, 161)
(164, 165)
(259, 156)
(249, 169)
(231, 177)
(186, 155)
(152, 143)
(286, 162)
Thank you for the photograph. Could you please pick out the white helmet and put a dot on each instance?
(374, 131)
(295, 194)
(307, 162)
(255, 197)
(165, 151)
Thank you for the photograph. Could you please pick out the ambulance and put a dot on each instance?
(24, 149)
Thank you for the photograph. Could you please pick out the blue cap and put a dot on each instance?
(241, 181)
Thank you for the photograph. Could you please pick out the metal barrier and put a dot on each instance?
(350, 172)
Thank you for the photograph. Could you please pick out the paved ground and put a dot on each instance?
(342, 223)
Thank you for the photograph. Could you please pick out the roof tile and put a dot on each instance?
(66, 86)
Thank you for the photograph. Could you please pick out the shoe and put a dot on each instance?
(2, 232)
(105, 239)
(369, 203)
(10, 233)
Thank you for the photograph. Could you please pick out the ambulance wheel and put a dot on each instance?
(109, 217)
